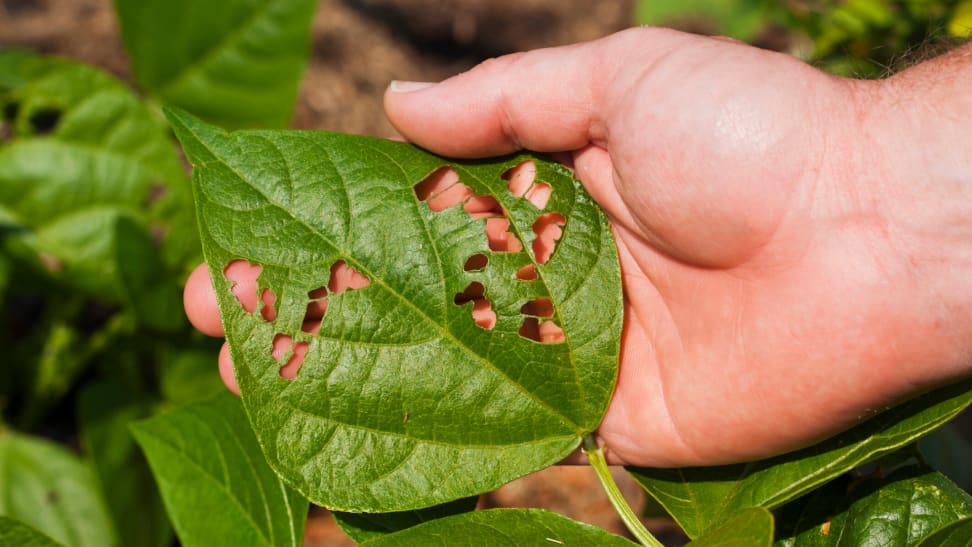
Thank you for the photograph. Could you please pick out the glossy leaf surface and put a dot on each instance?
(48, 488)
(217, 488)
(403, 401)
(701, 497)
(751, 527)
(956, 534)
(501, 527)
(236, 63)
(364, 526)
(900, 509)
(14, 532)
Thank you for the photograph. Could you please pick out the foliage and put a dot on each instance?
(865, 38)
(405, 405)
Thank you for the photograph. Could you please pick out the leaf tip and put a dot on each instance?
(194, 134)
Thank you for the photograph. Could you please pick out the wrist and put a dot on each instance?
(915, 166)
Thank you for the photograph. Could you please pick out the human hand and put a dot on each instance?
(784, 264)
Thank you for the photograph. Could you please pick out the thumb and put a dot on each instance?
(545, 100)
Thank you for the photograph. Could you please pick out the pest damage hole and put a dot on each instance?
(476, 263)
(538, 307)
(546, 332)
(527, 273)
(549, 228)
(482, 312)
(44, 121)
(499, 238)
(523, 184)
(244, 277)
(442, 190)
(281, 347)
(342, 278)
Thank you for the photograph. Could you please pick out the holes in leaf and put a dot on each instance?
(442, 190)
(282, 347)
(476, 263)
(44, 120)
(527, 273)
(538, 307)
(342, 278)
(523, 184)
(482, 311)
(499, 238)
(546, 332)
(548, 228)
(244, 277)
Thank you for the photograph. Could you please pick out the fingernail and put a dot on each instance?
(401, 86)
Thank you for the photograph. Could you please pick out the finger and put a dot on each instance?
(545, 100)
(199, 300)
(226, 369)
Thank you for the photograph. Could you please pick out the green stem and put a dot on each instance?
(595, 455)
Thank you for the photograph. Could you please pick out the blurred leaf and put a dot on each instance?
(15, 533)
(236, 63)
(900, 509)
(91, 189)
(105, 410)
(960, 24)
(189, 375)
(56, 367)
(402, 400)
(956, 534)
(364, 526)
(741, 19)
(946, 451)
(217, 488)
(47, 487)
(751, 527)
(501, 527)
(701, 497)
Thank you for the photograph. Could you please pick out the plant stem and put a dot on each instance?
(595, 455)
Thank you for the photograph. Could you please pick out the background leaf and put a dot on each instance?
(236, 63)
(501, 527)
(92, 194)
(47, 487)
(217, 488)
(900, 509)
(364, 526)
(14, 532)
(956, 534)
(105, 410)
(751, 527)
(701, 497)
(402, 400)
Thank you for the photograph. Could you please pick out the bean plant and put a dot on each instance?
(425, 329)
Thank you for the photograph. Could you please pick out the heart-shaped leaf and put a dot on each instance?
(448, 361)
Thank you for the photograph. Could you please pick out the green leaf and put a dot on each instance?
(47, 487)
(189, 375)
(494, 527)
(700, 497)
(740, 19)
(364, 526)
(217, 488)
(751, 527)
(14, 532)
(236, 63)
(956, 534)
(900, 509)
(91, 190)
(403, 401)
(105, 410)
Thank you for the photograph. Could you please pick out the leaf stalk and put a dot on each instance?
(595, 455)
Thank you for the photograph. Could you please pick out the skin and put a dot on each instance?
(795, 247)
